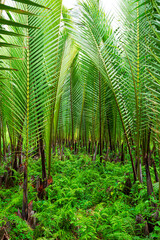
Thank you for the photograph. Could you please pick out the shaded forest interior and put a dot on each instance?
(79, 120)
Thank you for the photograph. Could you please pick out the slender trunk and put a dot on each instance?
(131, 157)
(18, 149)
(92, 146)
(95, 153)
(85, 138)
(103, 145)
(66, 142)
(75, 147)
(25, 195)
(155, 170)
(71, 101)
(11, 148)
(41, 148)
(12, 155)
(89, 147)
(137, 99)
(100, 119)
(38, 147)
(148, 176)
(20, 153)
(3, 138)
(144, 140)
(98, 148)
(44, 177)
(15, 167)
(17, 152)
(86, 146)
(122, 154)
(109, 134)
(107, 153)
(50, 143)
(25, 187)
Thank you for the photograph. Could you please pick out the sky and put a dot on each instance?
(110, 6)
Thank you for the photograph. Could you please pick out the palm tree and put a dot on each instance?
(99, 46)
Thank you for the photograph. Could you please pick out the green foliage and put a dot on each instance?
(11, 200)
(85, 201)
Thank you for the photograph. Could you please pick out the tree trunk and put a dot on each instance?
(75, 147)
(95, 153)
(71, 102)
(25, 195)
(122, 154)
(155, 170)
(44, 177)
(20, 152)
(3, 138)
(17, 152)
(109, 134)
(100, 119)
(89, 147)
(148, 175)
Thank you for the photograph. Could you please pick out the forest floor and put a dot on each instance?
(85, 200)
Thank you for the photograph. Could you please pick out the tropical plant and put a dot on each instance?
(69, 79)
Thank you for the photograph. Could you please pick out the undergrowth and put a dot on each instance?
(86, 200)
